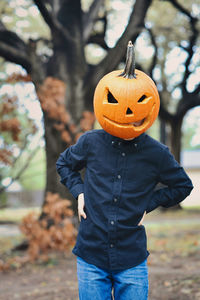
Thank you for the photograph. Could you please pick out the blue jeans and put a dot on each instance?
(98, 284)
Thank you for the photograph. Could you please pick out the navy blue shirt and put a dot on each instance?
(119, 186)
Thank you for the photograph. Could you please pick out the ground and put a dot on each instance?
(174, 265)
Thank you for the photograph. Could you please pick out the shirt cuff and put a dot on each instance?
(76, 190)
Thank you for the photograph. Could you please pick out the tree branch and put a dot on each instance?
(99, 40)
(90, 18)
(187, 103)
(133, 29)
(192, 41)
(21, 171)
(190, 51)
(164, 114)
(14, 55)
(51, 21)
(11, 38)
(197, 90)
(180, 7)
(116, 54)
(47, 16)
(154, 60)
(13, 48)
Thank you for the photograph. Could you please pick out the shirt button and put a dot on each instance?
(123, 154)
(113, 142)
(115, 199)
(135, 145)
(119, 143)
(119, 176)
(111, 245)
(112, 222)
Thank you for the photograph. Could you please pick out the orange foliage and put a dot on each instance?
(8, 105)
(52, 98)
(9, 123)
(12, 124)
(4, 266)
(16, 77)
(87, 121)
(54, 231)
(52, 95)
(65, 135)
(60, 235)
(5, 156)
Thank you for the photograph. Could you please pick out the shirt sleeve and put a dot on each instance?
(69, 163)
(178, 184)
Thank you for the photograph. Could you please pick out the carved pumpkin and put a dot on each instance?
(126, 103)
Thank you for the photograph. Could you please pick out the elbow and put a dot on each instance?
(189, 188)
(60, 163)
(58, 166)
(189, 185)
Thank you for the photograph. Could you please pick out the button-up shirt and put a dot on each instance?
(119, 186)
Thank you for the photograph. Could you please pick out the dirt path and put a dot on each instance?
(174, 265)
(169, 280)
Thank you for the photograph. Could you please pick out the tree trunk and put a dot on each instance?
(163, 131)
(176, 126)
(53, 146)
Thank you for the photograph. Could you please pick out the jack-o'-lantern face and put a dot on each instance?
(126, 107)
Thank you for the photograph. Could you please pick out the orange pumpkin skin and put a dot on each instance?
(135, 100)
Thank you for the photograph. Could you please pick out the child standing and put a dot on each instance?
(122, 171)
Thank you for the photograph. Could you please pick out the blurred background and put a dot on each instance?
(52, 55)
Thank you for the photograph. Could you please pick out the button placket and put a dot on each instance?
(116, 193)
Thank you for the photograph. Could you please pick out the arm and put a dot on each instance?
(174, 177)
(69, 163)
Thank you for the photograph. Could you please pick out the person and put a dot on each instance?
(118, 189)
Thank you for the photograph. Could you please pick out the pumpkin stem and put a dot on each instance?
(129, 70)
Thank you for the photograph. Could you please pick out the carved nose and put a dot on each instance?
(129, 111)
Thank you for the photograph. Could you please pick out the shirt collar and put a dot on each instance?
(135, 143)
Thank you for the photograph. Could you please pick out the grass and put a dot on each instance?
(192, 208)
(186, 212)
(181, 240)
(17, 214)
(8, 242)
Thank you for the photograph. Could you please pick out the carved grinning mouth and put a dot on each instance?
(136, 125)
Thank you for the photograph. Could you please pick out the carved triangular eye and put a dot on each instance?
(111, 98)
(142, 98)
